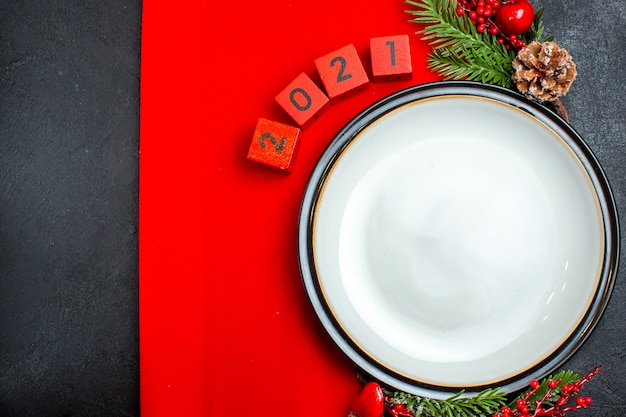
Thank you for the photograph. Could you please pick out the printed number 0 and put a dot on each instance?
(278, 146)
(307, 97)
(340, 75)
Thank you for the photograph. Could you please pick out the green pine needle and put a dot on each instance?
(470, 65)
(485, 403)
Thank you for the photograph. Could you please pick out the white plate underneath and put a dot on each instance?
(455, 237)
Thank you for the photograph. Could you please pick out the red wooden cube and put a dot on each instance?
(303, 100)
(342, 73)
(274, 144)
(391, 58)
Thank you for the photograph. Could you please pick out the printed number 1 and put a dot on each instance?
(392, 51)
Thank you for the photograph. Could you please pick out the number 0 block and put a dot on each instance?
(342, 73)
(391, 58)
(274, 144)
(303, 100)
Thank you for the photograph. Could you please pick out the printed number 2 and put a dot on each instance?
(342, 68)
(392, 51)
(278, 146)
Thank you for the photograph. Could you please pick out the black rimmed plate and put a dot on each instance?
(456, 236)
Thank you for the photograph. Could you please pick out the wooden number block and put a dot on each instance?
(274, 144)
(303, 100)
(391, 58)
(342, 73)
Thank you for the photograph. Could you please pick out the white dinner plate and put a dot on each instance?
(457, 236)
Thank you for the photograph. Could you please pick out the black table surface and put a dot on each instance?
(69, 167)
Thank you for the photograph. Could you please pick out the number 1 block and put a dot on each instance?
(303, 100)
(342, 73)
(274, 144)
(391, 58)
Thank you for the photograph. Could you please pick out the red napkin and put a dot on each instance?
(225, 325)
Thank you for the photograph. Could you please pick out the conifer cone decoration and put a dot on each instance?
(543, 71)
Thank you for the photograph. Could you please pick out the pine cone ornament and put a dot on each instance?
(543, 71)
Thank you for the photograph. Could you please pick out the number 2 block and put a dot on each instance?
(303, 100)
(274, 144)
(342, 73)
(391, 58)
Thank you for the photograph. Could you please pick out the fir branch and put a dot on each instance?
(444, 28)
(485, 403)
(459, 51)
(564, 377)
(470, 65)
